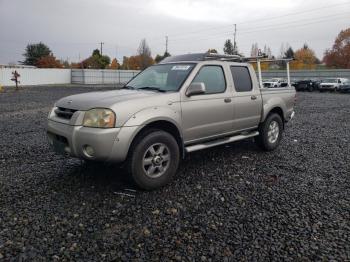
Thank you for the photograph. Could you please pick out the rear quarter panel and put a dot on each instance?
(278, 97)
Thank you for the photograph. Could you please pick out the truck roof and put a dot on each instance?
(198, 57)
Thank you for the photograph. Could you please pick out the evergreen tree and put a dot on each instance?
(34, 52)
(289, 53)
(228, 47)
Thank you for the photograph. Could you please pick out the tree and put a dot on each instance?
(132, 63)
(212, 50)
(289, 53)
(339, 55)
(125, 64)
(144, 53)
(49, 62)
(228, 47)
(96, 61)
(34, 52)
(305, 58)
(254, 50)
(114, 64)
(159, 58)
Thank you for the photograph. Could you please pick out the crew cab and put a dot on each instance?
(275, 82)
(184, 104)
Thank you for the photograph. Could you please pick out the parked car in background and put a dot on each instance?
(331, 84)
(293, 81)
(345, 87)
(306, 85)
(275, 82)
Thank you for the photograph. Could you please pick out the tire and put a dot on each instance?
(310, 89)
(153, 160)
(266, 140)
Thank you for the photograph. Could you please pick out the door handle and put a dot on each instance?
(227, 100)
(253, 97)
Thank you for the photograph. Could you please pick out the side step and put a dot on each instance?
(220, 142)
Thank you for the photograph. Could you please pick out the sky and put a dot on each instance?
(73, 28)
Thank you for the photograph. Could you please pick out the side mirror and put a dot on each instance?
(196, 88)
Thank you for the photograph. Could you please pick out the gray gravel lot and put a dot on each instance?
(228, 203)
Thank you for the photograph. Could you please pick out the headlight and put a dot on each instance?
(99, 117)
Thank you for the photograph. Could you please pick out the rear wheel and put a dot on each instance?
(311, 88)
(270, 132)
(154, 159)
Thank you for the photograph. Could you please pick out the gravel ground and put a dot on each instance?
(228, 203)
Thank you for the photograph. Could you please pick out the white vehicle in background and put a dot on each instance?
(332, 84)
(275, 82)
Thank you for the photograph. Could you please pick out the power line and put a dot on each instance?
(277, 27)
(260, 19)
(225, 32)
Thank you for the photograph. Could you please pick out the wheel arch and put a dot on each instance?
(277, 110)
(160, 124)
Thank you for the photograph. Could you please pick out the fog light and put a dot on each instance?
(89, 151)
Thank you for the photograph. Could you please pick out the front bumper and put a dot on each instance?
(109, 144)
(328, 87)
(344, 90)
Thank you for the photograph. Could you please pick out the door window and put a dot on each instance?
(241, 78)
(213, 78)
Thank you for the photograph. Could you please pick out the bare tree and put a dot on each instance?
(144, 53)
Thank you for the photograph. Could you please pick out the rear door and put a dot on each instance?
(247, 99)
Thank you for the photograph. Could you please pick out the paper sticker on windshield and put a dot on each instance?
(181, 67)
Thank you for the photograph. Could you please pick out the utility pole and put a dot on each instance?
(234, 41)
(101, 47)
(166, 44)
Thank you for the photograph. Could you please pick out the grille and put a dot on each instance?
(65, 113)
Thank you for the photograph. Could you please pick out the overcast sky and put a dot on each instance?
(73, 28)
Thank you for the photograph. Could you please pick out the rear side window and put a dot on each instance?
(241, 78)
(213, 78)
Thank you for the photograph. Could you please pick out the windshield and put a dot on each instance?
(166, 77)
(330, 80)
(271, 80)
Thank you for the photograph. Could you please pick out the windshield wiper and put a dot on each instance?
(153, 88)
(128, 87)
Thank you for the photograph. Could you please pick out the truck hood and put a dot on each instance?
(328, 84)
(104, 99)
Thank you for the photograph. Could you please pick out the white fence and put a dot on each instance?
(102, 76)
(308, 74)
(35, 76)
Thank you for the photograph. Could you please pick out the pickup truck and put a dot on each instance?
(275, 82)
(184, 104)
(331, 84)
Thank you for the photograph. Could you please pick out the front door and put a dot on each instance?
(210, 114)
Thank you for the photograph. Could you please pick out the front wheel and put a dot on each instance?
(270, 132)
(154, 159)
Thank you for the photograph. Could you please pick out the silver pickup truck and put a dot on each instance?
(184, 104)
